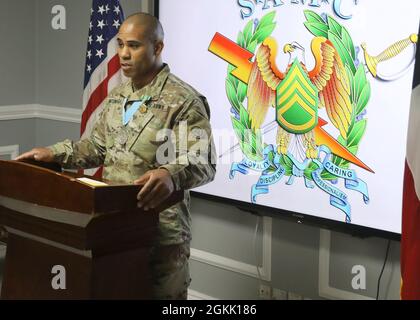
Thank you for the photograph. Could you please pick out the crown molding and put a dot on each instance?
(39, 111)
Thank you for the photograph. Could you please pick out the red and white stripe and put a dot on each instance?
(410, 236)
(104, 78)
(413, 142)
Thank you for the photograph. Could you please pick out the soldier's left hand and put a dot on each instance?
(157, 185)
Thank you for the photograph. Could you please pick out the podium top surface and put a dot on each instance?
(27, 181)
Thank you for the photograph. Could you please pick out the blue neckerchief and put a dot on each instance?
(128, 114)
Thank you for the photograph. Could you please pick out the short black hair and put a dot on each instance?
(155, 29)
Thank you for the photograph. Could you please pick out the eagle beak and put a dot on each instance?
(299, 46)
(288, 48)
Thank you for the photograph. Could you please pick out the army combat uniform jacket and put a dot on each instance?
(128, 151)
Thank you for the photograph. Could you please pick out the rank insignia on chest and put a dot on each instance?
(143, 109)
(157, 106)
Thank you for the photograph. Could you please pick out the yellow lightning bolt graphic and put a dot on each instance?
(240, 58)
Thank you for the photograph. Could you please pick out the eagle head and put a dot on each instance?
(299, 54)
(290, 47)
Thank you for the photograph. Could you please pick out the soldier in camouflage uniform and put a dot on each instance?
(133, 152)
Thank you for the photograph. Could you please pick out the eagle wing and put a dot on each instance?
(262, 83)
(330, 77)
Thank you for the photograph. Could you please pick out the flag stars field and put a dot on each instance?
(99, 53)
(101, 10)
(101, 24)
(100, 39)
(116, 24)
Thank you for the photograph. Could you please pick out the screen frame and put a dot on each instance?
(297, 217)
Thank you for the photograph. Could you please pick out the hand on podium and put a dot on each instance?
(157, 186)
(38, 154)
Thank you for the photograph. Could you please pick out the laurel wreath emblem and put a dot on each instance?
(254, 33)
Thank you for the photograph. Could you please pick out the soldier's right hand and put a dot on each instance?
(38, 154)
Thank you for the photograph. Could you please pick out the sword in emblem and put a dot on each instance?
(390, 52)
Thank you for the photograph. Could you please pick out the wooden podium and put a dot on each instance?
(68, 239)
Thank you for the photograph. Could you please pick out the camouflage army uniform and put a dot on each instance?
(127, 152)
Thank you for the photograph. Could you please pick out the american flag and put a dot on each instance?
(102, 67)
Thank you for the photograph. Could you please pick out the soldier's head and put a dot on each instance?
(140, 44)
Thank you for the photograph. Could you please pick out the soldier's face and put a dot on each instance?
(138, 54)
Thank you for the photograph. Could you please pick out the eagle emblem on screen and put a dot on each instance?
(303, 147)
